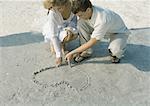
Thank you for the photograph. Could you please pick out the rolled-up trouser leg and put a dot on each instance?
(85, 32)
(118, 44)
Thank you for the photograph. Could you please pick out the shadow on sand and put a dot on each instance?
(137, 55)
(20, 39)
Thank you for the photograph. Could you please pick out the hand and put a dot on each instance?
(58, 61)
(70, 36)
(69, 33)
(69, 56)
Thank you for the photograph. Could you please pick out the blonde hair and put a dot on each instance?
(61, 2)
(48, 4)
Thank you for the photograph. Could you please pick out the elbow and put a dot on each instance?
(93, 41)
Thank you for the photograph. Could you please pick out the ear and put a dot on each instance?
(89, 10)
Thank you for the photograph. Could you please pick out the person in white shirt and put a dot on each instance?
(96, 23)
(61, 26)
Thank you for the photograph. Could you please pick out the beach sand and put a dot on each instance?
(94, 82)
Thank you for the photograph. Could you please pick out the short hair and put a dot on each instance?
(80, 5)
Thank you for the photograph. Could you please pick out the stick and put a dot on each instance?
(69, 63)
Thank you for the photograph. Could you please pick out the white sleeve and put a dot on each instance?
(99, 31)
(52, 31)
(57, 46)
(100, 28)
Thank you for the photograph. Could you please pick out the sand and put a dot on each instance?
(94, 82)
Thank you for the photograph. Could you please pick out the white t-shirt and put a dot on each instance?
(106, 22)
(56, 24)
(55, 28)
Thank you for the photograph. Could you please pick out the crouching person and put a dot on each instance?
(96, 23)
(61, 26)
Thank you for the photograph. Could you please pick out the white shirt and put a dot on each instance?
(105, 22)
(54, 28)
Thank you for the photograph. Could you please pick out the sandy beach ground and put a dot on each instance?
(94, 82)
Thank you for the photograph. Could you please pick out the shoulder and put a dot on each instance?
(97, 8)
(103, 13)
(54, 13)
(51, 13)
(97, 14)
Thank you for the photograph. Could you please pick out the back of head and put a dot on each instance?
(61, 2)
(80, 5)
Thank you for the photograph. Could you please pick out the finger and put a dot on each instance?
(66, 57)
(69, 32)
(69, 63)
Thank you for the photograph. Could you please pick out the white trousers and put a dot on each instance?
(117, 42)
